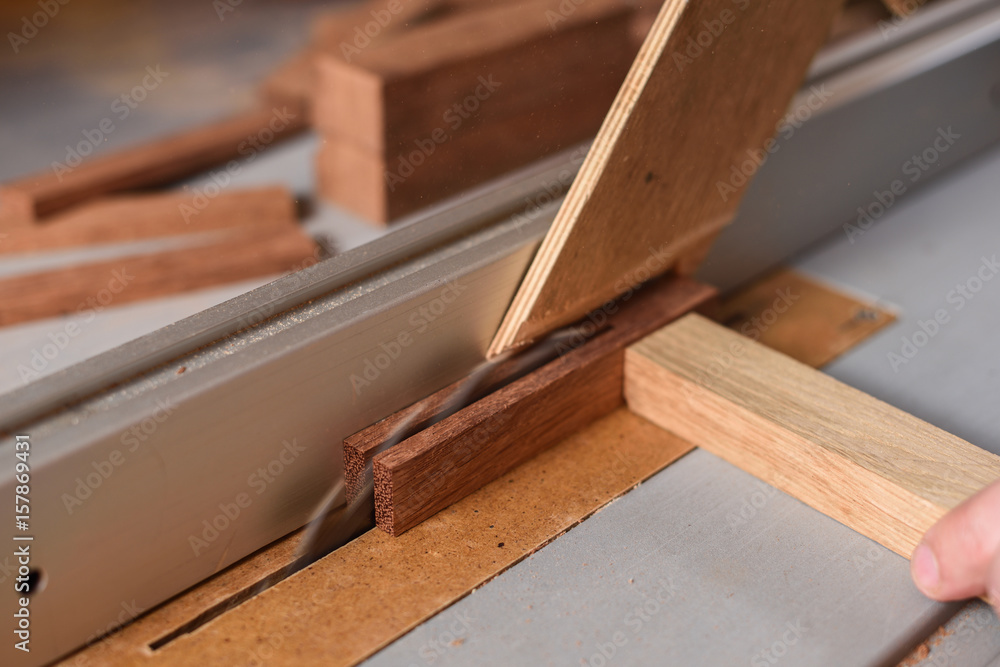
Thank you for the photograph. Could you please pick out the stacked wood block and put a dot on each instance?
(451, 102)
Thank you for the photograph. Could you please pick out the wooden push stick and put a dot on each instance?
(33, 197)
(449, 460)
(661, 175)
(123, 218)
(459, 100)
(231, 256)
(874, 468)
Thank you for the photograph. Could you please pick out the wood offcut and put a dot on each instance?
(453, 458)
(464, 98)
(159, 162)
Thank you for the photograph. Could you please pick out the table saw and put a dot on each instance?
(245, 391)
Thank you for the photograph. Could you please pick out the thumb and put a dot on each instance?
(959, 557)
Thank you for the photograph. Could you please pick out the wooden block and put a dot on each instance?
(874, 468)
(795, 315)
(133, 217)
(342, 33)
(460, 100)
(453, 458)
(659, 176)
(229, 256)
(33, 197)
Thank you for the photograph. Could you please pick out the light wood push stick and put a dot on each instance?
(874, 468)
(704, 95)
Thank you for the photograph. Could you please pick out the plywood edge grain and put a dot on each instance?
(650, 184)
(877, 469)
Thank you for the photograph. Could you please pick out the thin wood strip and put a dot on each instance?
(33, 197)
(874, 468)
(134, 217)
(361, 448)
(705, 93)
(229, 257)
(449, 460)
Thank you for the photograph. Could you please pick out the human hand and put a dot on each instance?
(959, 557)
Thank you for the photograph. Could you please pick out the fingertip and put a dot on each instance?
(925, 570)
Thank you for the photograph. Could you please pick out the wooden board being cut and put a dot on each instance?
(703, 97)
(449, 460)
(874, 468)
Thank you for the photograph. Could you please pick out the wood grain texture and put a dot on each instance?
(810, 322)
(123, 218)
(465, 98)
(687, 115)
(442, 464)
(368, 593)
(158, 162)
(874, 468)
(548, 494)
(223, 257)
(361, 448)
(339, 33)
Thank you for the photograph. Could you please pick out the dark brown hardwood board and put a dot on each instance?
(228, 256)
(153, 163)
(121, 218)
(525, 85)
(445, 462)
